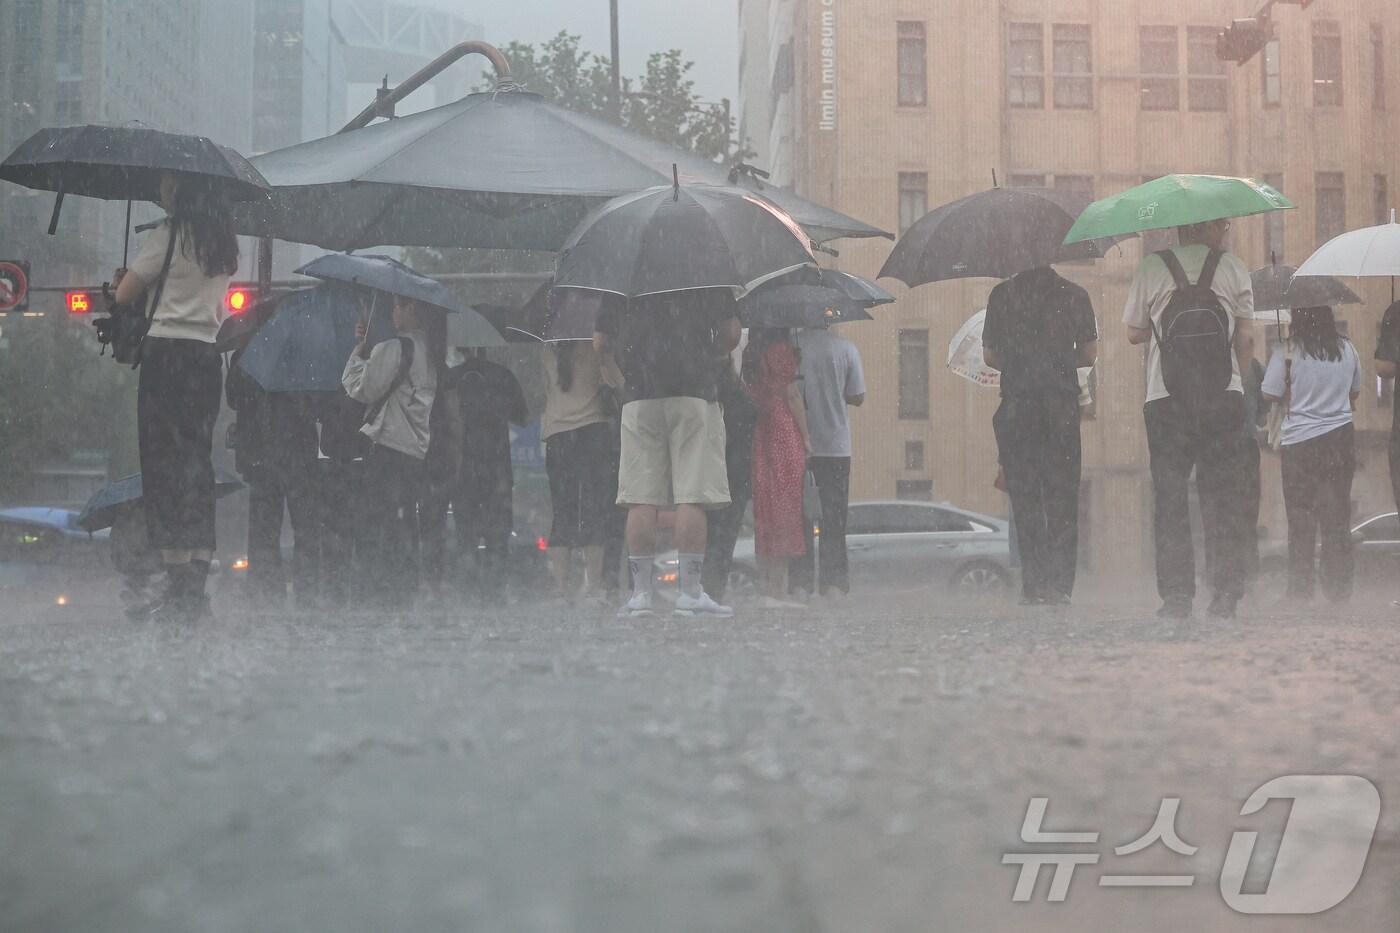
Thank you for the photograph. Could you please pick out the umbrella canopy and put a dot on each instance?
(1276, 289)
(505, 169)
(859, 289)
(1373, 252)
(994, 234)
(808, 306)
(238, 329)
(103, 509)
(307, 339)
(471, 329)
(966, 356)
(563, 315)
(383, 274)
(1176, 201)
(678, 238)
(125, 163)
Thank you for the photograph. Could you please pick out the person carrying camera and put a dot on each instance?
(188, 259)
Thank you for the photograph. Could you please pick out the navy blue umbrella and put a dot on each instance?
(383, 274)
(304, 345)
(108, 502)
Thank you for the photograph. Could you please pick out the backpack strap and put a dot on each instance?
(1173, 265)
(405, 364)
(1207, 278)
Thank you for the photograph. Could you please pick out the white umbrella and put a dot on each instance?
(965, 356)
(1370, 253)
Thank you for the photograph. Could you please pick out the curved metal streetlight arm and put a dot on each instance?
(385, 101)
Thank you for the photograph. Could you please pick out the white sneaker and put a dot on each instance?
(781, 605)
(638, 607)
(702, 605)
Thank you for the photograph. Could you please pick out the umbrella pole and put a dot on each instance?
(126, 236)
(57, 209)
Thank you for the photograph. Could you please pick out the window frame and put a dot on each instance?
(1328, 92)
(905, 39)
(1325, 233)
(1271, 80)
(1066, 78)
(1148, 80)
(1198, 83)
(1016, 77)
(906, 186)
(912, 406)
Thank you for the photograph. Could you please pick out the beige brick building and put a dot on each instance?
(885, 108)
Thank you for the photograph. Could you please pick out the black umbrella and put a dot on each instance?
(103, 509)
(1276, 289)
(505, 169)
(995, 234)
(563, 315)
(125, 163)
(859, 289)
(799, 306)
(680, 238)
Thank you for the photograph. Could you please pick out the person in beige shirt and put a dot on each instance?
(580, 439)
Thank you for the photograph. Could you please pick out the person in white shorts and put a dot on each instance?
(667, 347)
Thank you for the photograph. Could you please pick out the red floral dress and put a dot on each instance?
(779, 459)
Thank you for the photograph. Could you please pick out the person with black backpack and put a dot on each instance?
(1189, 305)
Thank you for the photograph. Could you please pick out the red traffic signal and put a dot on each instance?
(78, 302)
(238, 300)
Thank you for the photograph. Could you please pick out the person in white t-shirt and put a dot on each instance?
(1182, 438)
(181, 383)
(1317, 378)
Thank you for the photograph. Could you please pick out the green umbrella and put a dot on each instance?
(1176, 201)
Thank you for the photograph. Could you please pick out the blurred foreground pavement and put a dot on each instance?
(855, 770)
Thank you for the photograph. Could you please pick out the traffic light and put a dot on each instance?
(238, 300)
(78, 302)
(1244, 39)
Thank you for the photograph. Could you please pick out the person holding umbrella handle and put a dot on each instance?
(188, 259)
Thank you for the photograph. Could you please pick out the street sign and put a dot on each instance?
(14, 285)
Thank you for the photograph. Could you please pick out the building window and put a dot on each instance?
(1377, 66)
(1207, 84)
(1161, 85)
(913, 455)
(1327, 63)
(913, 199)
(1331, 206)
(1025, 81)
(1381, 199)
(1274, 230)
(1081, 186)
(1025, 180)
(1271, 75)
(913, 375)
(68, 102)
(913, 65)
(1074, 68)
(914, 490)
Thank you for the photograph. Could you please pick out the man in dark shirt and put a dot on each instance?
(673, 433)
(1039, 330)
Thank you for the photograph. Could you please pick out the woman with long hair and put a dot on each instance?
(189, 259)
(397, 379)
(780, 444)
(1316, 376)
(579, 437)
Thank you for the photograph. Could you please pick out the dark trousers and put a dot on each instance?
(723, 534)
(833, 476)
(1179, 441)
(1317, 476)
(388, 550)
(271, 492)
(1039, 449)
(177, 402)
(339, 488)
(482, 520)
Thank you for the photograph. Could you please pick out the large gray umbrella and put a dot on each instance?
(681, 238)
(505, 169)
(1277, 289)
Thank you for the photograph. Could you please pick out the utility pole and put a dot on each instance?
(616, 65)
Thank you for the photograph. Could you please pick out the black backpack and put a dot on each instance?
(1194, 336)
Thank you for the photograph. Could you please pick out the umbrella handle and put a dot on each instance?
(126, 236)
(57, 209)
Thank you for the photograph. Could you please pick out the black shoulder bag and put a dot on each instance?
(125, 327)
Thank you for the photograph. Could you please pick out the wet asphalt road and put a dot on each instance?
(854, 769)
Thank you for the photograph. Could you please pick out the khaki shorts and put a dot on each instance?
(673, 454)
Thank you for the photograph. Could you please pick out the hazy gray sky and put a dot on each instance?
(707, 32)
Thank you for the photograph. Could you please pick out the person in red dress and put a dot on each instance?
(779, 458)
